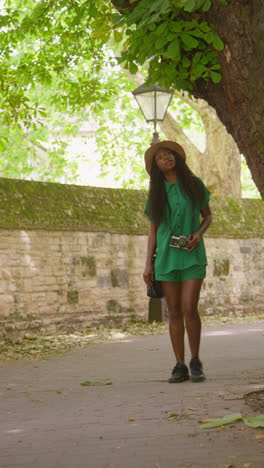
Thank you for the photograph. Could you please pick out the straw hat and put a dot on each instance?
(172, 145)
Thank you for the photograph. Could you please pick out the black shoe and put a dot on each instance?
(179, 373)
(196, 369)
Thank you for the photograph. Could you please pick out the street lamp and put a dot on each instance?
(153, 102)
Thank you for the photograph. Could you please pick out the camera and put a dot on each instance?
(180, 242)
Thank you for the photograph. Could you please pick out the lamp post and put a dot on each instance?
(153, 102)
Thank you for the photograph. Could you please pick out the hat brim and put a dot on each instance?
(172, 145)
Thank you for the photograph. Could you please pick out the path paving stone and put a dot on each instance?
(48, 420)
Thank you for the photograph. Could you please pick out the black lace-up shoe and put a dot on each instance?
(179, 373)
(196, 368)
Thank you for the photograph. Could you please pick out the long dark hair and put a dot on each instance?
(190, 186)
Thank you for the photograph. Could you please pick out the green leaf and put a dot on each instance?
(197, 57)
(255, 421)
(206, 5)
(174, 416)
(118, 36)
(88, 383)
(157, 5)
(152, 26)
(43, 113)
(197, 70)
(173, 50)
(216, 77)
(190, 5)
(161, 42)
(215, 67)
(2, 146)
(205, 27)
(197, 32)
(161, 28)
(186, 62)
(199, 3)
(218, 43)
(210, 36)
(228, 419)
(133, 68)
(189, 41)
(175, 26)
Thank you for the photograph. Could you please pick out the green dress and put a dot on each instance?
(180, 219)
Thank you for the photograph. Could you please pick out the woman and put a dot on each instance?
(176, 200)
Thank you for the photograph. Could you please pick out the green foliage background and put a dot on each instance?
(58, 69)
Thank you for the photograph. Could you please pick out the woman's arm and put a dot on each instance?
(195, 238)
(206, 221)
(148, 274)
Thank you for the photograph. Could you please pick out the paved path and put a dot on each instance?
(126, 425)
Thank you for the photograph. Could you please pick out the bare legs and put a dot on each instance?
(182, 301)
(172, 292)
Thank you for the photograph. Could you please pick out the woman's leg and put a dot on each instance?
(172, 293)
(189, 304)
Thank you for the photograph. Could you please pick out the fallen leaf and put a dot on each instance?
(229, 418)
(247, 465)
(58, 391)
(259, 436)
(255, 421)
(88, 383)
(131, 419)
(174, 416)
(192, 409)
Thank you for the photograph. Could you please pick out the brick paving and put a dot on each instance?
(126, 425)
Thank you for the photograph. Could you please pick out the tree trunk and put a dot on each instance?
(238, 98)
(220, 164)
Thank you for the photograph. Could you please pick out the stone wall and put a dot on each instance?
(72, 257)
(67, 280)
(235, 276)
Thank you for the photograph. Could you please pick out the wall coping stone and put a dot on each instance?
(50, 206)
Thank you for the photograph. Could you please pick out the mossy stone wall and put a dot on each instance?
(38, 205)
(73, 256)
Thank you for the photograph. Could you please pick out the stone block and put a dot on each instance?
(245, 250)
(119, 278)
(6, 299)
(221, 266)
(73, 297)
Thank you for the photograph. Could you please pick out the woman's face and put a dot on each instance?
(165, 160)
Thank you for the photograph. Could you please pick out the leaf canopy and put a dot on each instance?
(44, 42)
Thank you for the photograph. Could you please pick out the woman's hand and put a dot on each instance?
(193, 240)
(148, 274)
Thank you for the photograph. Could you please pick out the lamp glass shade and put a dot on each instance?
(153, 103)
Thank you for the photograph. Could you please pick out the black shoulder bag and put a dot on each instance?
(155, 290)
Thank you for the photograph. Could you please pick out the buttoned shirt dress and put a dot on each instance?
(180, 218)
